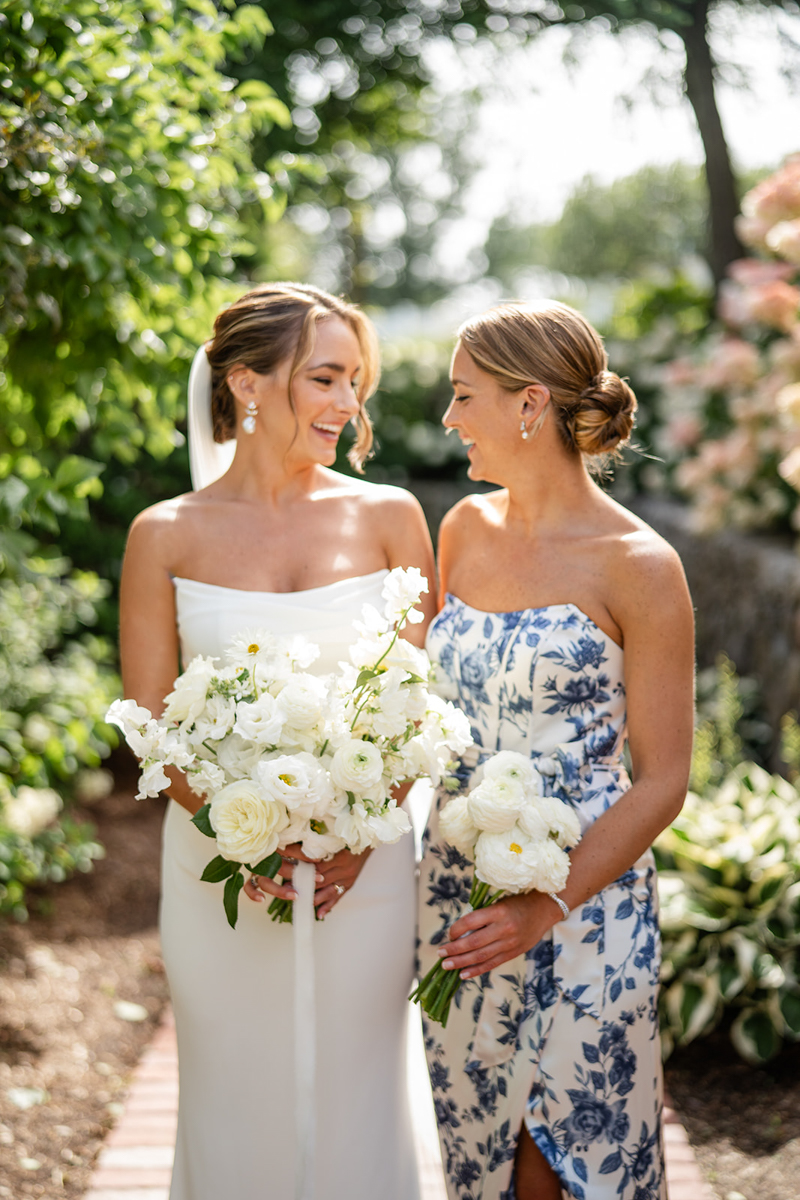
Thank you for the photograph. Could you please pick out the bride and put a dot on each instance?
(278, 541)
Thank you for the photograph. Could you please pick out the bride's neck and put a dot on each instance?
(257, 473)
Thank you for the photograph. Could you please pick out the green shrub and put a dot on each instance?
(729, 885)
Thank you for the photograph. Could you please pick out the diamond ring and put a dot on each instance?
(339, 888)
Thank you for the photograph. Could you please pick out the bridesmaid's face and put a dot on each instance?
(482, 415)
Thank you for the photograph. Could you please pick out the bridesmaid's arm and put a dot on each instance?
(655, 615)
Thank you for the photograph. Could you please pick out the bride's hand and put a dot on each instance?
(338, 876)
(483, 940)
(257, 885)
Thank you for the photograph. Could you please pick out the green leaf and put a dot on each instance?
(365, 676)
(790, 1010)
(200, 819)
(231, 898)
(218, 869)
(755, 1037)
(268, 866)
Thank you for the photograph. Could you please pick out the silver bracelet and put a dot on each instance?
(565, 910)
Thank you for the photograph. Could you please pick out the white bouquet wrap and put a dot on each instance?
(518, 840)
(283, 757)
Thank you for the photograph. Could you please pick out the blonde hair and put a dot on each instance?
(276, 321)
(552, 344)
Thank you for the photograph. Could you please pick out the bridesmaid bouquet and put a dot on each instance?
(286, 757)
(518, 839)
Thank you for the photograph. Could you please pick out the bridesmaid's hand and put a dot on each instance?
(257, 885)
(494, 935)
(335, 877)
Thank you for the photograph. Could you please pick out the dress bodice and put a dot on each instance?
(209, 615)
(546, 682)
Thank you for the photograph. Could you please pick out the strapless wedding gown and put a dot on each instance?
(232, 989)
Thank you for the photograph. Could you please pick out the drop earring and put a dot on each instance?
(249, 422)
(523, 431)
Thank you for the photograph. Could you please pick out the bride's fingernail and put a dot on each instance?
(448, 964)
(292, 896)
(319, 878)
(465, 975)
(443, 952)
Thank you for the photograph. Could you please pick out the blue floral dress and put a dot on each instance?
(564, 1037)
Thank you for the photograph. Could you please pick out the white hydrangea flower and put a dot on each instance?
(246, 823)
(30, 811)
(500, 860)
(457, 827)
(495, 804)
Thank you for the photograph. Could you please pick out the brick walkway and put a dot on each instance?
(136, 1159)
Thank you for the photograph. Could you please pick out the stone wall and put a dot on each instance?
(746, 592)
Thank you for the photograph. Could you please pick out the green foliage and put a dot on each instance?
(126, 166)
(729, 885)
(50, 856)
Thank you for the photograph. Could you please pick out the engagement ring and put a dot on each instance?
(339, 888)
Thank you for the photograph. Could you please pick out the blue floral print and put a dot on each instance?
(564, 1037)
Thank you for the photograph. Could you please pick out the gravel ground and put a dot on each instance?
(65, 1042)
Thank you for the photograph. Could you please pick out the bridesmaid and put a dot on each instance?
(566, 627)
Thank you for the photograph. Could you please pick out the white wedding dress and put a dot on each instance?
(232, 989)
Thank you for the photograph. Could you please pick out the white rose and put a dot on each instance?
(548, 865)
(500, 860)
(402, 589)
(508, 764)
(216, 719)
(356, 766)
(246, 823)
(187, 700)
(495, 804)
(30, 811)
(562, 821)
(456, 826)
(260, 721)
(237, 756)
(298, 782)
(301, 701)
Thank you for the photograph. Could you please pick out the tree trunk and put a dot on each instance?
(724, 245)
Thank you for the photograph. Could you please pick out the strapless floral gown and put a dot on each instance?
(232, 990)
(566, 1036)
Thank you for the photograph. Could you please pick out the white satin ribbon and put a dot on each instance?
(304, 882)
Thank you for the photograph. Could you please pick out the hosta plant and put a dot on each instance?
(729, 886)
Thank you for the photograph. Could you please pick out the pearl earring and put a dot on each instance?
(523, 431)
(249, 422)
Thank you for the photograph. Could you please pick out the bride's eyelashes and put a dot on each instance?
(455, 397)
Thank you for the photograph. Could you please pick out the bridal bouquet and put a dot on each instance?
(518, 839)
(286, 757)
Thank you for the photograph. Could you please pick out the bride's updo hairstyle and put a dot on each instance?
(275, 322)
(552, 344)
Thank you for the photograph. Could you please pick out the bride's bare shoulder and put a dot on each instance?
(383, 499)
(163, 526)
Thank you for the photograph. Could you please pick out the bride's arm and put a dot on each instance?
(407, 543)
(147, 622)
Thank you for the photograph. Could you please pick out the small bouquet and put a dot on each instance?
(286, 757)
(518, 839)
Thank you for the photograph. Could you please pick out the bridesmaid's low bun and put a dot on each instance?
(603, 418)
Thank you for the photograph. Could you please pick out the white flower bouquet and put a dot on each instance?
(286, 757)
(518, 839)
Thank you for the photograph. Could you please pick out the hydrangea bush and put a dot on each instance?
(55, 685)
(731, 408)
(729, 887)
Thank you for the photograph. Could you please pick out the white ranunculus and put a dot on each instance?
(30, 811)
(298, 782)
(495, 804)
(301, 701)
(533, 822)
(402, 589)
(508, 764)
(456, 826)
(500, 860)
(356, 766)
(548, 865)
(188, 698)
(562, 821)
(260, 721)
(127, 715)
(216, 720)
(152, 780)
(247, 824)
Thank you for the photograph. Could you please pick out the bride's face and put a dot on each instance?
(483, 415)
(324, 394)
